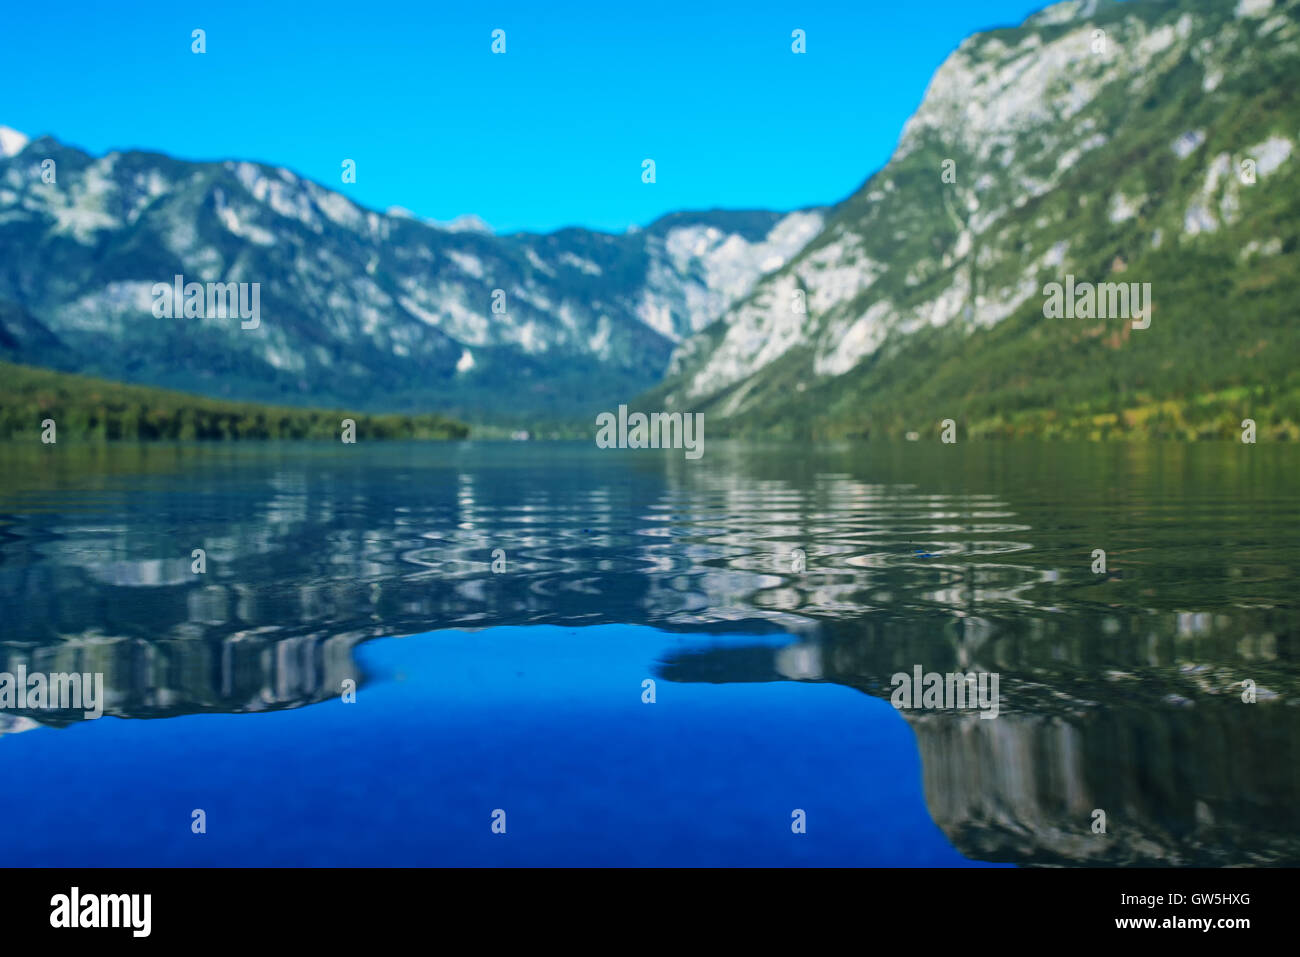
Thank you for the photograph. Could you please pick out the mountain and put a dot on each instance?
(1137, 142)
(367, 310)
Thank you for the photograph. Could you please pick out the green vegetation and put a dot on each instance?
(1099, 193)
(87, 408)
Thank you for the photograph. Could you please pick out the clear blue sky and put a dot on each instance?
(550, 134)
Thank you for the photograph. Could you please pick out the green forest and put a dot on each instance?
(96, 409)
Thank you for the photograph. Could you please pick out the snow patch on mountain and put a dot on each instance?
(11, 141)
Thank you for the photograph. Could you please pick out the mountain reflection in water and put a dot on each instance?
(1120, 691)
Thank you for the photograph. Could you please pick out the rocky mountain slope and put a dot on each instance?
(1148, 142)
(358, 308)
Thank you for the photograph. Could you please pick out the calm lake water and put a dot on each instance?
(768, 592)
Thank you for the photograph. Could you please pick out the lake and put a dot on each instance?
(562, 654)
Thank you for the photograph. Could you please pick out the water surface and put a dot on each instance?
(768, 593)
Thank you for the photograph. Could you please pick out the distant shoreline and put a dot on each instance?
(86, 408)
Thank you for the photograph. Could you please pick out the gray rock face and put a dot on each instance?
(372, 310)
(1090, 140)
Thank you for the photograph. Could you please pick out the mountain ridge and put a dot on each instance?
(1100, 139)
(1097, 140)
(353, 297)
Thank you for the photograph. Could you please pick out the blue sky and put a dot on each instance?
(550, 134)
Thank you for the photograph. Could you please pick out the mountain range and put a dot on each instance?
(375, 311)
(1140, 142)
(1099, 142)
